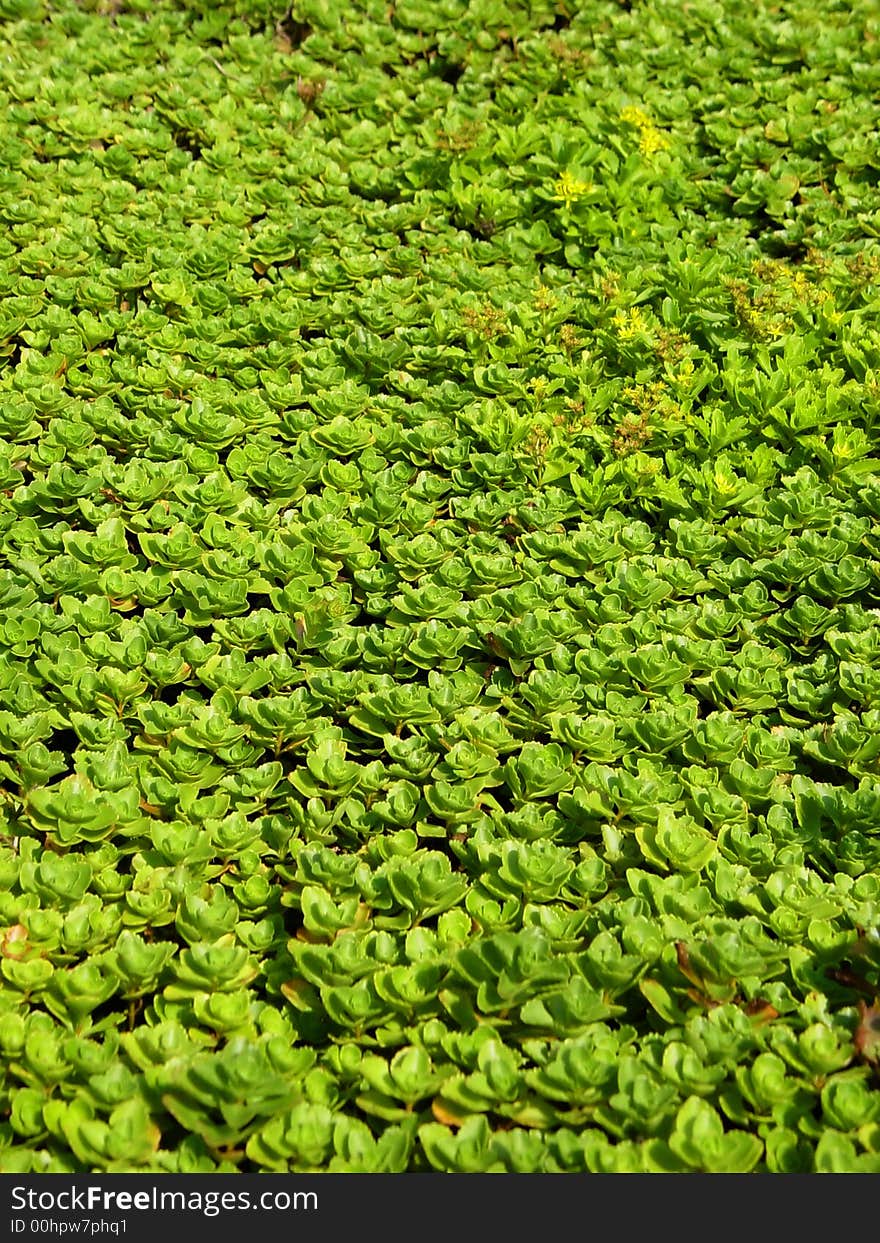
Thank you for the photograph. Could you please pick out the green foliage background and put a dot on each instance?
(439, 642)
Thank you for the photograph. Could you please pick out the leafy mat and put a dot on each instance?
(441, 551)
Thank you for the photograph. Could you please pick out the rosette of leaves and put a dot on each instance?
(76, 810)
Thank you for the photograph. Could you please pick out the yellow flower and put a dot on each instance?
(629, 323)
(635, 116)
(651, 139)
(570, 188)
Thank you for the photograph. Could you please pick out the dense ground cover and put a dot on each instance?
(440, 560)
